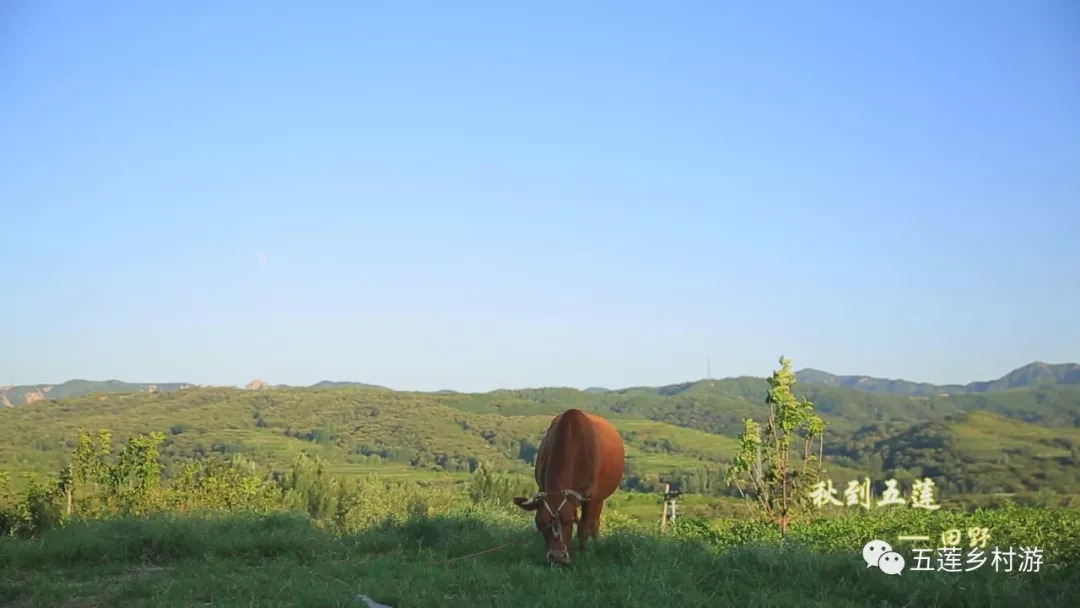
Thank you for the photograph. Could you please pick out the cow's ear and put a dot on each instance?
(529, 504)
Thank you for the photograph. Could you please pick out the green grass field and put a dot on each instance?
(286, 560)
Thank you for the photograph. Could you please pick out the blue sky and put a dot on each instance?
(472, 195)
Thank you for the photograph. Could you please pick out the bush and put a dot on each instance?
(1056, 531)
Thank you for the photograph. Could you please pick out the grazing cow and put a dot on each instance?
(580, 463)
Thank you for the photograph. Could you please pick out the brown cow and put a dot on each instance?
(580, 463)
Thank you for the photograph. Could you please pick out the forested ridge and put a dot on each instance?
(1010, 441)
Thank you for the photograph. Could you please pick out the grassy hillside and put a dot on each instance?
(975, 452)
(683, 434)
(357, 431)
(719, 406)
(349, 426)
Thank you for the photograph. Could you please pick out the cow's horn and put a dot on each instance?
(526, 503)
(577, 496)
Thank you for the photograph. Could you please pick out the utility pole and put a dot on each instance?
(708, 368)
(663, 516)
(669, 507)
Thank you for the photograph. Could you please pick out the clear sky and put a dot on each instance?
(473, 195)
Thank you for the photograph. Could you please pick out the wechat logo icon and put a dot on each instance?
(880, 553)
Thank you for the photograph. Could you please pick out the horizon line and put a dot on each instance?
(243, 386)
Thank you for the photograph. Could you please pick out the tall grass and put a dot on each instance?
(287, 559)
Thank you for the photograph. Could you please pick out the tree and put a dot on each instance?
(136, 475)
(778, 485)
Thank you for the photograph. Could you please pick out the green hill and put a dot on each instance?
(719, 406)
(682, 433)
(1006, 440)
(357, 431)
(972, 452)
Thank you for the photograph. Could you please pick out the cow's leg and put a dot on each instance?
(598, 508)
(590, 522)
(584, 526)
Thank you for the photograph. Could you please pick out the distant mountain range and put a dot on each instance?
(22, 395)
(1032, 374)
(259, 385)
(11, 396)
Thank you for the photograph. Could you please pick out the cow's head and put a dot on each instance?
(555, 520)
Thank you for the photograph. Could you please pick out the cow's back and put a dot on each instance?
(582, 450)
(610, 457)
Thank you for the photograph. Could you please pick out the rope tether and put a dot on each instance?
(447, 561)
